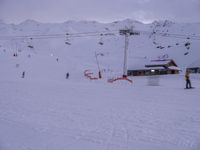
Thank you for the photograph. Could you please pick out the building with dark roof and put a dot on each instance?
(154, 67)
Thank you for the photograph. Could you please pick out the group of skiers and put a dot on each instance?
(15, 54)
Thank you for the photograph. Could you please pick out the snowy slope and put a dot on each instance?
(46, 111)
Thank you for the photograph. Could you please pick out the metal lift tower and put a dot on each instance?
(126, 33)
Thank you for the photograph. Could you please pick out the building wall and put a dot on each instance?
(194, 70)
(149, 72)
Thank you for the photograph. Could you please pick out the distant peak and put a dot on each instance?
(69, 21)
(132, 21)
(29, 21)
(80, 21)
(129, 21)
(163, 23)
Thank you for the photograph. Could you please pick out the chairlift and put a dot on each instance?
(101, 39)
(29, 43)
(67, 41)
(30, 46)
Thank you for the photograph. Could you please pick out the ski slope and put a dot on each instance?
(97, 115)
(46, 111)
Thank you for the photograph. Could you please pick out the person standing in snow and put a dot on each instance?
(187, 79)
(23, 74)
(67, 75)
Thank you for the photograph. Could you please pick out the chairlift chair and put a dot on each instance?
(101, 39)
(67, 39)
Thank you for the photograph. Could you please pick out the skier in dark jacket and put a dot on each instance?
(67, 75)
(23, 74)
(187, 79)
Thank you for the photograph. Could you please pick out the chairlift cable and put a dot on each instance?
(91, 34)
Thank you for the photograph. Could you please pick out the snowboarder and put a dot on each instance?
(67, 75)
(187, 79)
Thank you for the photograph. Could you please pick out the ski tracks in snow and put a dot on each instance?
(147, 122)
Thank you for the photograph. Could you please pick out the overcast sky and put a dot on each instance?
(16, 11)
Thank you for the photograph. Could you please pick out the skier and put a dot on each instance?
(100, 75)
(23, 74)
(187, 79)
(67, 75)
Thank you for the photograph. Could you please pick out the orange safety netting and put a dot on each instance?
(89, 74)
